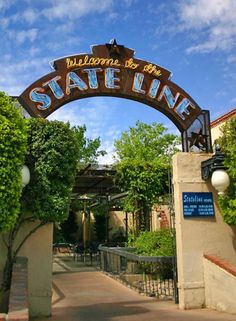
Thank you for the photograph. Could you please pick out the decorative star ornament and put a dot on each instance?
(198, 140)
(114, 49)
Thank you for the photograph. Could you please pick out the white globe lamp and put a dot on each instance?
(214, 168)
(220, 180)
(25, 174)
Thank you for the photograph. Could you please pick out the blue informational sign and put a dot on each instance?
(198, 204)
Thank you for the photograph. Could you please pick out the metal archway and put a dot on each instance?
(112, 70)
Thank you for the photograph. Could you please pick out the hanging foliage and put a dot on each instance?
(13, 138)
(227, 142)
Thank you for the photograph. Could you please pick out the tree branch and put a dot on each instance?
(16, 228)
(4, 240)
(26, 237)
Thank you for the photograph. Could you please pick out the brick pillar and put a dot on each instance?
(18, 301)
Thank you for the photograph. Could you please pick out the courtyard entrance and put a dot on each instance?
(81, 293)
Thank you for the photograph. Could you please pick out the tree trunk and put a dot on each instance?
(6, 282)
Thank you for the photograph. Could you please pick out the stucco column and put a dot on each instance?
(38, 250)
(196, 235)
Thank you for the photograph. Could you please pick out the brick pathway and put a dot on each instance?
(84, 294)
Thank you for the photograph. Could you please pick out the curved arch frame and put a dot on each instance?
(110, 70)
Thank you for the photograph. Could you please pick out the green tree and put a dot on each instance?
(100, 224)
(54, 151)
(227, 142)
(13, 137)
(89, 148)
(143, 162)
(52, 158)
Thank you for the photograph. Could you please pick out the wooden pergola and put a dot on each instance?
(96, 180)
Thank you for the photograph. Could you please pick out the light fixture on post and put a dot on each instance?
(159, 216)
(215, 168)
(25, 174)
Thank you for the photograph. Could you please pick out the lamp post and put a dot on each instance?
(25, 174)
(215, 168)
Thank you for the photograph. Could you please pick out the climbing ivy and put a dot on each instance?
(13, 138)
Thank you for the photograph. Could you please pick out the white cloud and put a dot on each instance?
(213, 21)
(33, 51)
(73, 9)
(108, 146)
(199, 13)
(4, 22)
(27, 70)
(231, 59)
(30, 15)
(96, 114)
(128, 3)
(6, 3)
(65, 28)
(24, 35)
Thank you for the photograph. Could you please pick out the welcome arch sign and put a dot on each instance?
(112, 70)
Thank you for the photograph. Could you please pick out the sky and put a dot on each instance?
(194, 39)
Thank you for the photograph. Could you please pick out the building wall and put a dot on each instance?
(217, 124)
(195, 236)
(38, 250)
(216, 132)
(160, 217)
(117, 226)
(220, 288)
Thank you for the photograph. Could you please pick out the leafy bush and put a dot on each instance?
(157, 243)
(228, 201)
(52, 159)
(13, 137)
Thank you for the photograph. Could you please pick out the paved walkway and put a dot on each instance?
(84, 294)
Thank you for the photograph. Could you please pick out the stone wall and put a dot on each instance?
(199, 235)
(38, 250)
(18, 301)
(220, 284)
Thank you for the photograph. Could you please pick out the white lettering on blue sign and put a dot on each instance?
(154, 88)
(92, 77)
(55, 88)
(74, 81)
(182, 107)
(110, 78)
(167, 94)
(198, 204)
(37, 96)
(138, 82)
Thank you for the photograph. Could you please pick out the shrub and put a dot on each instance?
(157, 243)
(228, 201)
(13, 137)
